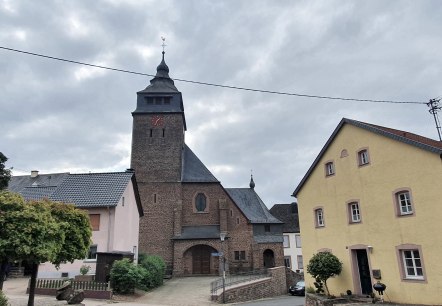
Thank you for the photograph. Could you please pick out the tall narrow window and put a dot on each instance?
(151, 133)
(300, 262)
(354, 213)
(154, 197)
(164, 132)
(92, 254)
(319, 216)
(298, 241)
(95, 221)
(329, 169)
(286, 241)
(363, 158)
(287, 261)
(404, 203)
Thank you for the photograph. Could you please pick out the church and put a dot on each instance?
(195, 224)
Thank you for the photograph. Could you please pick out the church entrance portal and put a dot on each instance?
(202, 259)
(269, 259)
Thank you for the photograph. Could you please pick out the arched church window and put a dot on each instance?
(200, 202)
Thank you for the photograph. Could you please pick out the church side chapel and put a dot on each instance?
(190, 219)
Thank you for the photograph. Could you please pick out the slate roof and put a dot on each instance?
(287, 213)
(268, 238)
(84, 190)
(251, 205)
(418, 141)
(93, 189)
(199, 232)
(194, 171)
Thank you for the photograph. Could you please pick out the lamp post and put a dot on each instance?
(222, 236)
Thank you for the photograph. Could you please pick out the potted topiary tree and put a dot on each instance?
(322, 266)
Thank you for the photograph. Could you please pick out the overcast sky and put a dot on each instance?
(61, 117)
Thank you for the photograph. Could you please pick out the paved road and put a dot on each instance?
(178, 291)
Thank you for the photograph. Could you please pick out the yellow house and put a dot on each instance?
(373, 197)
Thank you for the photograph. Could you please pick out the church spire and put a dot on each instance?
(252, 183)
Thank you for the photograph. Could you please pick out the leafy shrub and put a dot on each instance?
(3, 299)
(125, 276)
(322, 266)
(84, 269)
(154, 271)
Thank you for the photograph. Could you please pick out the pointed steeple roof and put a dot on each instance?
(161, 83)
(252, 183)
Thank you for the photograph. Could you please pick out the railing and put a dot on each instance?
(76, 285)
(233, 279)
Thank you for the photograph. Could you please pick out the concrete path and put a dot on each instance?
(184, 291)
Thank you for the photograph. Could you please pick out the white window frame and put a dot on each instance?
(286, 241)
(363, 157)
(355, 212)
(411, 259)
(319, 217)
(300, 262)
(329, 168)
(298, 241)
(404, 201)
(287, 261)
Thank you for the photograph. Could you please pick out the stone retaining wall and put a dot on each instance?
(274, 285)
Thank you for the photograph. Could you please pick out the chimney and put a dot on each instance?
(34, 173)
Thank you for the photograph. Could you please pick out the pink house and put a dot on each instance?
(111, 200)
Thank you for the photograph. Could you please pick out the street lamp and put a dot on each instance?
(222, 236)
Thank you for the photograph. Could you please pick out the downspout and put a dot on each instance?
(108, 228)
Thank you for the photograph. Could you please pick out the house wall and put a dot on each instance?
(125, 228)
(99, 238)
(393, 165)
(293, 251)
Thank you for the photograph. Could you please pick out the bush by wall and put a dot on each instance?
(125, 276)
(155, 268)
(3, 299)
(149, 273)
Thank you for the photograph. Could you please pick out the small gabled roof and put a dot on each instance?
(287, 213)
(194, 171)
(418, 141)
(199, 232)
(251, 205)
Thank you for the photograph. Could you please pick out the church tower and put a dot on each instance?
(157, 147)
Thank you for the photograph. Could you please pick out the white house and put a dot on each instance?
(111, 200)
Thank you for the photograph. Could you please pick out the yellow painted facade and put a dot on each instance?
(393, 165)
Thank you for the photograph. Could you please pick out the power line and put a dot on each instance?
(213, 84)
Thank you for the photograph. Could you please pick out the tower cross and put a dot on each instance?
(164, 44)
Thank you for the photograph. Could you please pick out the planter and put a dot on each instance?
(84, 278)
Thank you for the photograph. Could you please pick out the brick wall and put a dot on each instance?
(275, 285)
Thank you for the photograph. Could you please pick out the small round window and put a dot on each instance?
(200, 202)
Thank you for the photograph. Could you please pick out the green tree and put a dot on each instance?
(324, 265)
(41, 231)
(5, 174)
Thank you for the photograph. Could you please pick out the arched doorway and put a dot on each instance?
(201, 260)
(269, 259)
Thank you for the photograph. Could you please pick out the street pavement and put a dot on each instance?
(178, 291)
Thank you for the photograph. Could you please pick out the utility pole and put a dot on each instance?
(434, 107)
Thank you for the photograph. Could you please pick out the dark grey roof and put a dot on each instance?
(268, 238)
(287, 213)
(93, 189)
(194, 171)
(251, 205)
(83, 190)
(418, 141)
(43, 181)
(199, 232)
(161, 82)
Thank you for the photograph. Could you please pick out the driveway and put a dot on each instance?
(178, 291)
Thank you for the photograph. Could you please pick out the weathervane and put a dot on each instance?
(164, 44)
